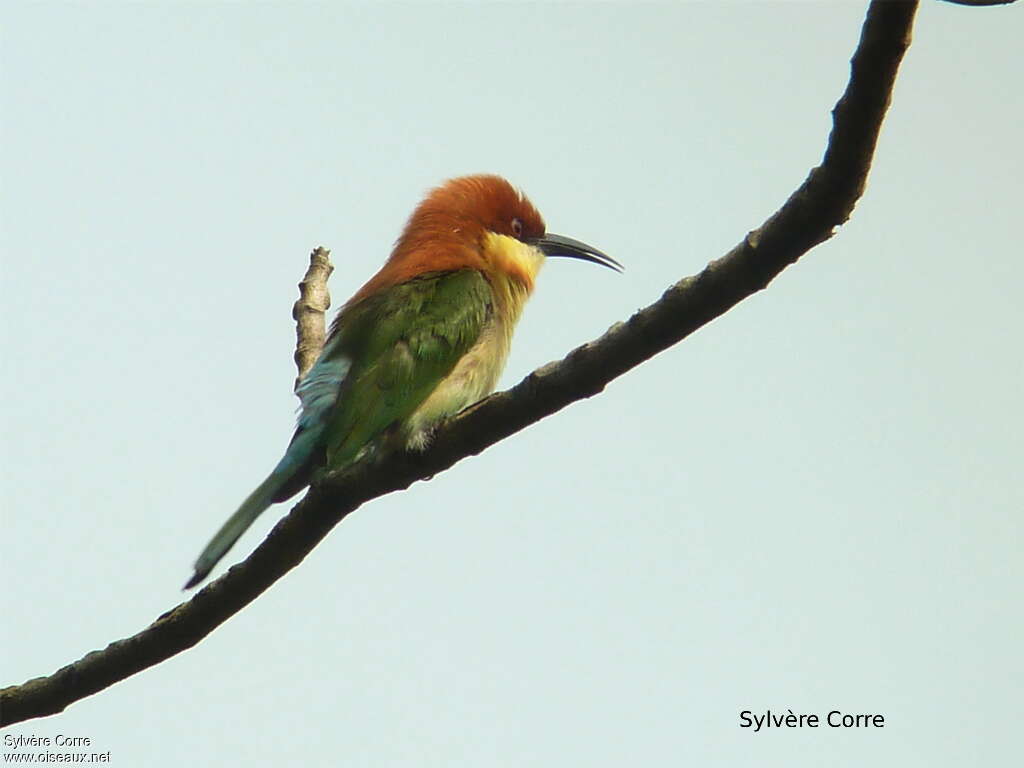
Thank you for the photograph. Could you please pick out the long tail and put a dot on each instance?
(318, 393)
(288, 478)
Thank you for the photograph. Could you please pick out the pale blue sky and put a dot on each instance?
(814, 503)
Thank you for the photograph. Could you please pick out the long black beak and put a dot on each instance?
(559, 245)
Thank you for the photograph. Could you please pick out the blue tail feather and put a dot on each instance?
(318, 393)
(293, 466)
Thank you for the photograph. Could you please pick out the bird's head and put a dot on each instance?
(485, 221)
(477, 222)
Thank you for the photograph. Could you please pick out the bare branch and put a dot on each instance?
(811, 214)
(308, 312)
(981, 2)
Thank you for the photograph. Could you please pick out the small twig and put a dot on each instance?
(313, 302)
(981, 2)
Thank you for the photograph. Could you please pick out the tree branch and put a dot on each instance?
(811, 215)
(308, 311)
(981, 2)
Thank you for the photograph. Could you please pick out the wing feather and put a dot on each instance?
(402, 345)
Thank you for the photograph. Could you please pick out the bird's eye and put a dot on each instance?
(517, 228)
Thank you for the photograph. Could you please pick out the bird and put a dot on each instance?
(424, 338)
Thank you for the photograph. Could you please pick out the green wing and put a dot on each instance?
(402, 343)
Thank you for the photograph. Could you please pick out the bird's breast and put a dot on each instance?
(476, 373)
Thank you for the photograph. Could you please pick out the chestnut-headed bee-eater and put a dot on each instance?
(428, 335)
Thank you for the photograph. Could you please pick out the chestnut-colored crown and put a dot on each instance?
(472, 204)
(447, 229)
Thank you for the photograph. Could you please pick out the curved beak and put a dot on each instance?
(559, 245)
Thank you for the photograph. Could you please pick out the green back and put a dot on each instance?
(402, 342)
